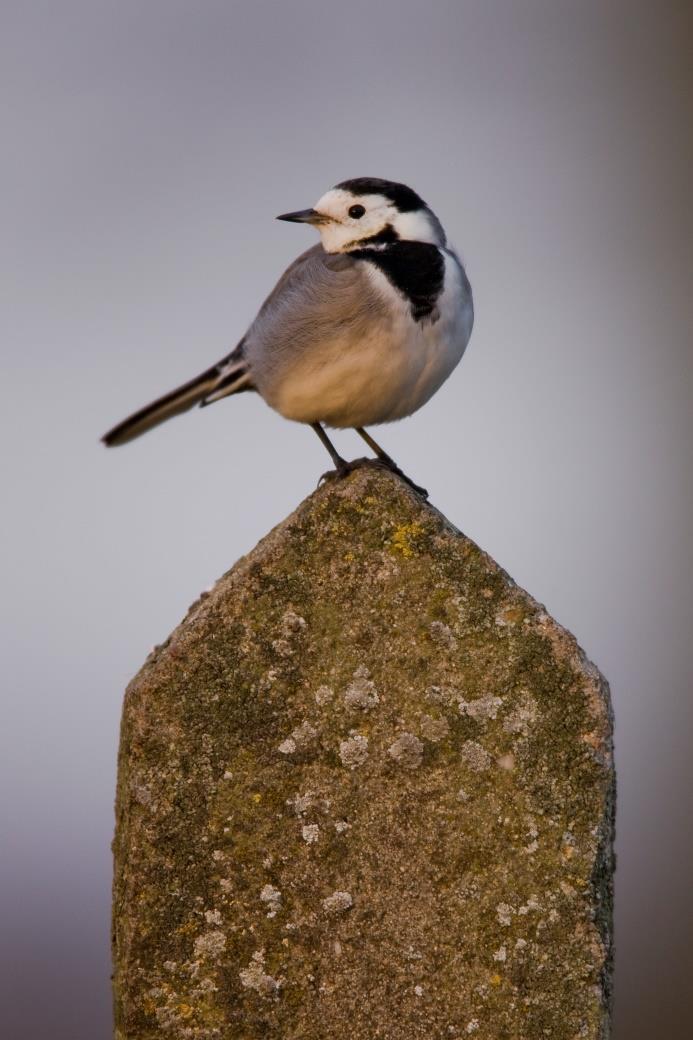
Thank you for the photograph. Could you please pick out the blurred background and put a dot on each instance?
(146, 149)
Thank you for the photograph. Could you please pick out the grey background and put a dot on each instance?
(146, 148)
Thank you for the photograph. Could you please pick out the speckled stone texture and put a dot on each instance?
(365, 792)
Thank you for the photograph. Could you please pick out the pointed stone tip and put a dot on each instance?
(369, 717)
(369, 476)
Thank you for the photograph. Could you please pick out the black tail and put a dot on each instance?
(228, 376)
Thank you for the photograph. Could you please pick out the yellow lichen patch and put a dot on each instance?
(187, 929)
(184, 1010)
(437, 604)
(257, 798)
(405, 538)
(495, 979)
(363, 507)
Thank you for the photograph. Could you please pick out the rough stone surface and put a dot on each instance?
(365, 791)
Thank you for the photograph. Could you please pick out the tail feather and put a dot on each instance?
(231, 382)
(226, 377)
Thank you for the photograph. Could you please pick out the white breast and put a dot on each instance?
(389, 373)
(430, 350)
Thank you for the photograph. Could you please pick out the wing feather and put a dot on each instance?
(320, 297)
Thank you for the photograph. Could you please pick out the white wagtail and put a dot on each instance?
(361, 329)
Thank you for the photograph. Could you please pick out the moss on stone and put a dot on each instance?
(369, 718)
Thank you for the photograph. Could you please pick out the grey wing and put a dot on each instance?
(234, 371)
(317, 295)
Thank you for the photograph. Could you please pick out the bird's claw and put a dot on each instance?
(403, 476)
(343, 470)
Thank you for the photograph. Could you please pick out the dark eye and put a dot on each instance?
(357, 211)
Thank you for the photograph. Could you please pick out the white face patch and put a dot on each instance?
(343, 232)
(417, 226)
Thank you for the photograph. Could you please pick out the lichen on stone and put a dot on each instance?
(407, 751)
(354, 751)
(255, 977)
(323, 695)
(300, 739)
(442, 634)
(475, 756)
(210, 944)
(272, 898)
(482, 708)
(338, 902)
(361, 692)
(434, 729)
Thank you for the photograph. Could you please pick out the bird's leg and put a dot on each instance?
(343, 467)
(340, 464)
(389, 462)
(380, 452)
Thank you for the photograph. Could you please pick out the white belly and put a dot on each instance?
(386, 375)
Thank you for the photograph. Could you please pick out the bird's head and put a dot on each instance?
(368, 211)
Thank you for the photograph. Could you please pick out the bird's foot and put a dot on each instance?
(390, 464)
(344, 468)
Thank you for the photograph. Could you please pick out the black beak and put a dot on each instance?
(303, 216)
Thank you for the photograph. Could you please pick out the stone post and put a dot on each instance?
(365, 792)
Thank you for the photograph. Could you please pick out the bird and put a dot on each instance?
(361, 329)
